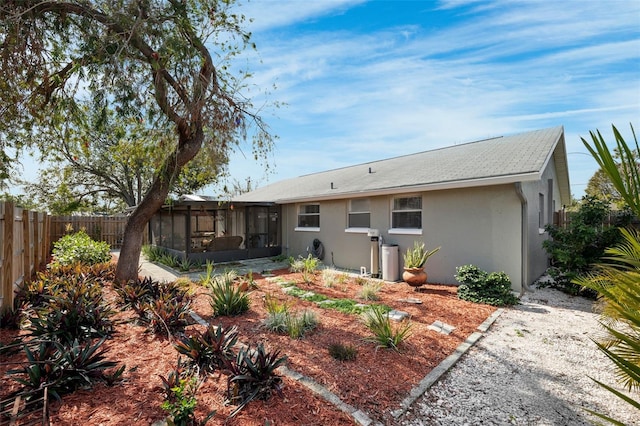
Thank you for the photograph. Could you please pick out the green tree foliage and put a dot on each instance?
(617, 278)
(575, 249)
(601, 187)
(167, 62)
(106, 163)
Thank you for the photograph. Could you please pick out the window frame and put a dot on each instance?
(300, 214)
(351, 211)
(399, 230)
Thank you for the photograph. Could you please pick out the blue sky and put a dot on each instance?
(368, 80)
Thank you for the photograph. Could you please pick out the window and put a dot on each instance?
(359, 214)
(406, 213)
(309, 216)
(540, 210)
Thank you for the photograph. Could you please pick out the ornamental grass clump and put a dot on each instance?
(370, 290)
(385, 334)
(281, 320)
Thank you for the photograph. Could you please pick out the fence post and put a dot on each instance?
(46, 238)
(28, 245)
(7, 264)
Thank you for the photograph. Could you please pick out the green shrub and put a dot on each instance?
(79, 247)
(574, 250)
(342, 352)
(385, 334)
(480, 287)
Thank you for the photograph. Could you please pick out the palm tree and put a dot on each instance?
(618, 280)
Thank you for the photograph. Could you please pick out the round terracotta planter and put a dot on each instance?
(415, 277)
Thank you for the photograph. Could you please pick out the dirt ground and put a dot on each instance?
(375, 382)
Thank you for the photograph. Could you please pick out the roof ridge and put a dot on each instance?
(424, 152)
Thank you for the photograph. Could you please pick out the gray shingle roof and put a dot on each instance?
(515, 158)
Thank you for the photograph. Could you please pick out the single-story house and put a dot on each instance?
(484, 203)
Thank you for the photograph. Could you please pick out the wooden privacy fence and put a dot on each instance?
(562, 218)
(101, 228)
(25, 245)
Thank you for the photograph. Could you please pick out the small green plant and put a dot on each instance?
(168, 259)
(343, 352)
(385, 334)
(370, 290)
(417, 256)
(279, 258)
(481, 287)
(210, 350)
(329, 277)
(181, 402)
(276, 322)
(307, 265)
(185, 264)
(253, 376)
(152, 253)
(180, 388)
(281, 320)
(301, 323)
(208, 276)
(360, 280)
(227, 298)
(80, 247)
(273, 305)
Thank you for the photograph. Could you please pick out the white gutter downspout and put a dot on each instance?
(524, 249)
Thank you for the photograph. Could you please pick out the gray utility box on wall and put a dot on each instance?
(390, 265)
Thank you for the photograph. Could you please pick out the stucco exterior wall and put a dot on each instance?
(480, 226)
(550, 191)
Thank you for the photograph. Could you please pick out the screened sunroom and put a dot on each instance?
(202, 228)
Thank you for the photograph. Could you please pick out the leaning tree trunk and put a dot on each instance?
(127, 269)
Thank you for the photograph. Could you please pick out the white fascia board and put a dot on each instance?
(458, 184)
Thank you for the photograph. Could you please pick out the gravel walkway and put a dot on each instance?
(531, 368)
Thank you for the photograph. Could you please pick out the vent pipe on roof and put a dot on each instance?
(370, 171)
(332, 185)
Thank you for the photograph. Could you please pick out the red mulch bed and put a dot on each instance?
(376, 382)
